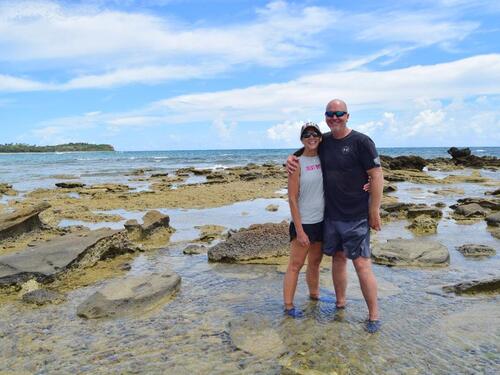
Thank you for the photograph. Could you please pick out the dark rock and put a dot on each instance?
(163, 174)
(194, 250)
(493, 220)
(403, 252)
(21, 221)
(152, 221)
(42, 297)
(440, 204)
(404, 162)
(388, 188)
(55, 257)
(122, 296)
(492, 204)
(259, 241)
(428, 211)
(70, 185)
(272, 207)
(474, 250)
(494, 192)
(458, 152)
(488, 286)
(471, 210)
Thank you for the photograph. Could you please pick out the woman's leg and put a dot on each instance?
(314, 256)
(297, 257)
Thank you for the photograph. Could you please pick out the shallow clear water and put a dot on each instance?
(424, 330)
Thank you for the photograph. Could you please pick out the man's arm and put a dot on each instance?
(292, 162)
(376, 189)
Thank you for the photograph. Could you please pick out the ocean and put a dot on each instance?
(28, 171)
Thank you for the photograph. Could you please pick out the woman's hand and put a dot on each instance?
(368, 185)
(303, 239)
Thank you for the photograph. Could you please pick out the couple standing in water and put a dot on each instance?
(332, 211)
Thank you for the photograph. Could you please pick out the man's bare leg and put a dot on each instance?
(368, 284)
(314, 257)
(339, 277)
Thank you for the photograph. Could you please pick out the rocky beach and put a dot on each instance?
(181, 269)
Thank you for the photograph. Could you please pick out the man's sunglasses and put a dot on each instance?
(311, 134)
(335, 113)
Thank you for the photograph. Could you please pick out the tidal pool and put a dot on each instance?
(228, 319)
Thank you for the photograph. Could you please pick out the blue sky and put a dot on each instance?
(181, 74)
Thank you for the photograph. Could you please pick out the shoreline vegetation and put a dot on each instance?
(66, 147)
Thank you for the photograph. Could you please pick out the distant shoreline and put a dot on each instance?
(16, 148)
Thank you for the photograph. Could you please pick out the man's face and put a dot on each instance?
(336, 123)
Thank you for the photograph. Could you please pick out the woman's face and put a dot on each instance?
(311, 139)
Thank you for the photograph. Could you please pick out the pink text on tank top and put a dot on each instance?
(313, 167)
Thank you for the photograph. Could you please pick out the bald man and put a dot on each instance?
(348, 159)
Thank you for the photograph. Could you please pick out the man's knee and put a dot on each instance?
(362, 264)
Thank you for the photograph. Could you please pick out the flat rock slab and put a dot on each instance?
(21, 221)
(475, 250)
(129, 294)
(411, 252)
(46, 261)
(259, 241)
(488, 286)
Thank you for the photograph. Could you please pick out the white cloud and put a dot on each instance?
(101, 48)
(224, 129)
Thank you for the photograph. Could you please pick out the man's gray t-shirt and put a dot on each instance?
(311, 197)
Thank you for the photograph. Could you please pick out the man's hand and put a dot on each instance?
(292, 163)
(374, 220)
(303, 239)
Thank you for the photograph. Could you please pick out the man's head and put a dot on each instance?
(336, 116)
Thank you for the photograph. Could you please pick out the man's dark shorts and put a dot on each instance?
(313, 231)
(352, 237)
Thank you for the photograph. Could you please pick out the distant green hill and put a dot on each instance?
(21, 147)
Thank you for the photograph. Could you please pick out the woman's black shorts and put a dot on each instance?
(313, 231)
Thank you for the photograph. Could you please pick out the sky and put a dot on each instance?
(237, 74)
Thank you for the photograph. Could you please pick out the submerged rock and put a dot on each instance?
(488, 286)
(272, 207)
(129, 294)
(474, 250)
(194, 250)
(259, 241)
(45, 261)
(411, 252)
(43, 297)
(255, 335)
(21, 221)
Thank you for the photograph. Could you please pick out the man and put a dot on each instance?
(348, 159)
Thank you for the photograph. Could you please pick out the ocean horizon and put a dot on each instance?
(29, 171)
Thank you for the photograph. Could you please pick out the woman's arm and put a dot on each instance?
(293, 201)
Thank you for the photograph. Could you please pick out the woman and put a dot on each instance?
(306, 200)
